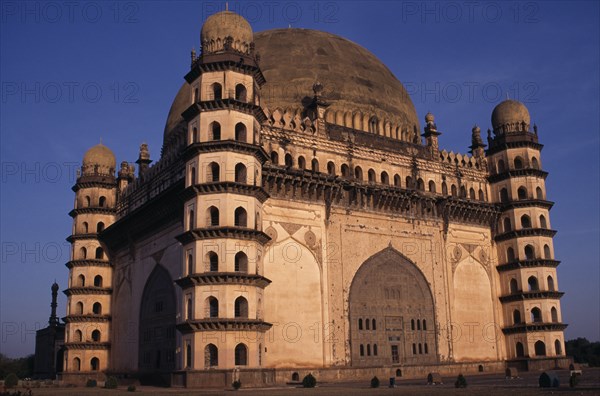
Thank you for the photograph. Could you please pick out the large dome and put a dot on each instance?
(353, 79)
(510, 112)
(99, 155)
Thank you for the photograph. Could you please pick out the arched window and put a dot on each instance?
(301, 163)
(510, 255)
(96, 335)
(314, 165)
(420, 184)
(217, 91)
(373, 125)
(214, 172)
(453, 190)
(240, 217)
(274, 158)
(431, 186)
(385, 179)
(215, 129)
(240, 173)
(554, 315)
(367, 324)
(95, 364)
(81, 281)
(241, 355)
(211, 356)
(472, 193)
(345, 171)
(97, 308)
(532, 283)
(414, 349)
(547, 254)
(85, 227)
(558, 347)
(188, 355)
(516, 316)
(191, 219)
(424, 324)
(213, 216)
(76, 364)
(195, 135)
(501, 166)
(420, 349)
(507, 225)
(418, 324)
(102, 201)
(412, 324)
(514, 286)
(398, 373)
(504, 195)
(79, 308)
(213, 261)
(368, 349)
(358, 174)
(78, 336)
(98, 281)
(87, 202)
(538, 193)
(540, 348)
(362, 350)
(481, 195)
(518, 163)
(525, 221)
(425, 348)
(240, 132)
(289, 162)
(190, 264)
(463, 192)
(374, 349)
(360, 324)
(397, 180)
(529, 252)
(520, 350)
(371, 176)
(536, 315)
(241, 307)
(240, 92)
(409, 183)
(534, 163)
(550, 282)
(99, 253)
(212, 307)
(373, 324)
(193, 175)
(331, 168)
(522, 193)
(241, 262)
(543, 223)
(444, 189)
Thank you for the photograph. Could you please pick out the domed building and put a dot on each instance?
(301, 220)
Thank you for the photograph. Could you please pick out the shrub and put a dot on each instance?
(461, 381)
(91, 383)
(573, 380)
(309, 381)
(375, 382)
(236, 384)
(11, 380)
(131, 388)
(111, 383)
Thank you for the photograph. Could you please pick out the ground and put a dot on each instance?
(484, 384)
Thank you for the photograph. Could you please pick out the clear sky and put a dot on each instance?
(73, 73)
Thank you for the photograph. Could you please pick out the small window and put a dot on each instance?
(543, 223)
(95, 364)
(102, 202)
(98, 281)
(510, 255)
(214, 172)
(373, 324)
(501, 166)
(240, 217)
(481, 195)
(504, 195)
(213, 216)
(362, 350)
(345, 171)
(99, 253)
(420, 185)
(396, 180)
(518, 163)
(534, 163)
(241, 262)
(368, 349)
(514, 287)
(240, 93)
(444, 189)
(536, 315)
(472, 194)
(360, 324)
(211, 356)
(516, 316)
(529, 252)
(532, 283)
(241, 355)
(371, 176)
(554, 315)
(550, 282)
(289, 162)
(76, 364)
(385, 179)
(213, 262)
(358, 174)
(409, 182)
(274, 158)
(538, 193)
(314, 165)
(96, 336)
(525, 221)
(331, 168)
(431, 186)
(97, 308)
(507, 225)
(190, 264)
(520, 351)
(453, 190)
(85, 227)
(558, 347)
(540, 348)
(78, 336)
(463, 192)
(213, 307)
(217, 91)
(522, 193)
(240, 173)
(240, 132)
(215, 131)
(241, 307)
(412, 324)
(81, 281)
(301, 163)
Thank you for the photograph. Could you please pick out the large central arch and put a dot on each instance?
(157, 328)
(392, 317)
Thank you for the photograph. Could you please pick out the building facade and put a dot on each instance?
(300, 220)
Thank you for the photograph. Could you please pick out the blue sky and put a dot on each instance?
(73, 73)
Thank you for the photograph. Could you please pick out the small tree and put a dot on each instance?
(375, 382)
(461, 381)
(309, 381)
(236, 384)
(11, 380)
(111, 383)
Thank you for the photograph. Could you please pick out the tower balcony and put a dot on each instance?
(525, 232)
(242, 233)
(513, 265)
(531, 295)
(521, 328)
(223, 324)
(223, 278)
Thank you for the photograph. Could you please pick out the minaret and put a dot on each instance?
(144, 160)
(431, 133)
(90, 271)
(222, 283)
(53, 321)
(529, 287)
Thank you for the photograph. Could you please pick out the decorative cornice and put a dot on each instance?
(223, 324)
(76, 237)
(527, 264)
(225, 188)
(88, 263)
(224, 104)
(533, 328)
(88, 345)
(234, 61)
(242, 233)
(93, 210)
(532, 295)
(86, 318)
(88, 290)
(223, 278)
(518, 173)
(235, 146)
(525, 232)
(103, 181)
(527, 203)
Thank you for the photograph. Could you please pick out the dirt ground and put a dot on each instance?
(485, 385)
